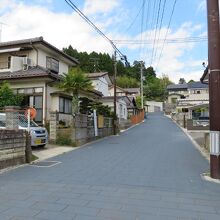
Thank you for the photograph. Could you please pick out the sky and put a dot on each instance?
(137, 27)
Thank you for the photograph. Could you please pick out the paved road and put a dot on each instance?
(149, 172)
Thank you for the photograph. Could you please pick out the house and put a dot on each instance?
(186, 95)
(130, 92)
(121, 106)
(119, 91)
(134, 92)
(101, 82)
(33, 67)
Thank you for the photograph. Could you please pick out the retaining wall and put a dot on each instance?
(12, 147)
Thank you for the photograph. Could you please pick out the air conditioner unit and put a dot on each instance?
(27, 61)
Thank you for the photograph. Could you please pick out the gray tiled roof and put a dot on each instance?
(132, 90)
(37, 40)
(177, 86)
(185, 86)
(36, 71)
(96, 75)
(197, 85)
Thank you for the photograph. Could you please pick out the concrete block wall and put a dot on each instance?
(12, 147)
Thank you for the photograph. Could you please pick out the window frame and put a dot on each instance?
(49, 60)
(66, 107)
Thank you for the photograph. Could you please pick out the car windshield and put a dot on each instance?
(23, 121)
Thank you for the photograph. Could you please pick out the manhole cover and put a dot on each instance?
(45, 163)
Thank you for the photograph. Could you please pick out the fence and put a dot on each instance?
(180, 118)
(81, 129)
(135, 119)
(14, 142)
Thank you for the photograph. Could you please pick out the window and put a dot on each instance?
(65, 105)
(198, 92)
(52, 64)
(9, 62)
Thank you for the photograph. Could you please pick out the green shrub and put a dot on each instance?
(65, 139)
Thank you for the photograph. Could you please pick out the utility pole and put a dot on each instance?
(214, 85)
(115, 104)
(142, 93)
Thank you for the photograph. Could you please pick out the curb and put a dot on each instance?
(196, 145)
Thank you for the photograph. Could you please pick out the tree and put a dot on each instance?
(74, 82)
(182, 81)
(127, 82)
(7, 97)
(191, 81)
(156, 88)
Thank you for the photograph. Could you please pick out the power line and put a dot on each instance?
(171, 40)
(135, 18)
(161, 22)
(168, 27)
(88, 21)
(142, 21)
(155, 33)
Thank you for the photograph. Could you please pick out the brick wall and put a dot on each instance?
(12, 147)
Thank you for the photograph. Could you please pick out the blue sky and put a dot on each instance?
(59, 25)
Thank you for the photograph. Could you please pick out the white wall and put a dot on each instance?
(101, 85)
(119, 92)
(42, 55)
(121, 107)
(154, 106)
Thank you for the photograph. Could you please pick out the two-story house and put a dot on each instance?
(187, 95)
(33, 67)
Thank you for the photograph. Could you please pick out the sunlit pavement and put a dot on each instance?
(151, 171)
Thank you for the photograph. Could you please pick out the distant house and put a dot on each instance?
(119, 91)
(186, 95)
(101, 82)
(132, 92)
(121, 106)
(33, 67)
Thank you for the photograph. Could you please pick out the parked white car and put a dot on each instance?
(39, 135)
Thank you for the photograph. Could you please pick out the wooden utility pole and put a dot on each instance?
(142, 93)
(115, 97)
(214, 85)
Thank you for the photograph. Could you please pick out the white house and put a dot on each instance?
(101, 82)
(121, 106)
(32, 67)
(188, 95)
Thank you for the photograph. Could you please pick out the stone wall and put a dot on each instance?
(12, 147)
(81, 131)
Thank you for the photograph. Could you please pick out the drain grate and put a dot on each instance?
(45, 163)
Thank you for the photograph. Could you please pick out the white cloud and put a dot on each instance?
(63, 29)
(92, 7)
(60, 29)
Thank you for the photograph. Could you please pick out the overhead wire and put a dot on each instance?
(170, 40)
(156, 30)
(142, 22)
(145, 48)
(161, 22)
(152, 21)
(135, 18)
(168, 27)
(85, 18)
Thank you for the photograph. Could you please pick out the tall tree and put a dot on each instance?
(74, 82)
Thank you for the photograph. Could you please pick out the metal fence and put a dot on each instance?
(14, 119)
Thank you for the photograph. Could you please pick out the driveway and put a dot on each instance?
(151, 171)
